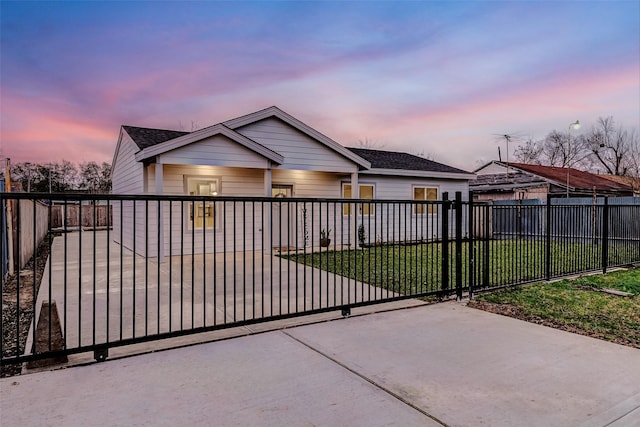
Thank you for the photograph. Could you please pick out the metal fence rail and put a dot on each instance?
(165, 266)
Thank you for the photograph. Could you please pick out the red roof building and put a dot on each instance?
(513, 181)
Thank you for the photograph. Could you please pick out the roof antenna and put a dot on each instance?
(499, 154)
(507, 138)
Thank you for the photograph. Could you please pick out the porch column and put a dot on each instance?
(355, 194)
(266, 231)
(267, 182)
(159, 191)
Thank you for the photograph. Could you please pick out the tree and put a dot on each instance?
(58, 177)
(370, 144)
(94, 177)
(614, 148)
(105, 177)
(27, 174)
(605, 147)
(530, 152)
(554, 150)
(67, 174)
(423, 154)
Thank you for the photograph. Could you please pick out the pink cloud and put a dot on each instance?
(43, 136)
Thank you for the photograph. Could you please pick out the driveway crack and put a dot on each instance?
(367, 379)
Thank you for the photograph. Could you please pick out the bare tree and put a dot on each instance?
(370, 144)
(58, 177)
(555, 150)
(67, 176)
(529, 152)
(613, 148)
(424, 155)
(194, 125)
(28, 174)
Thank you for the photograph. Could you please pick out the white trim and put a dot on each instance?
(115, 154)
(159, 181)
(302, 127)
(208, 132)
(283, 184)
(268, 181)
(361, 202)
(188, 226)
(419, 174)
(426, 187)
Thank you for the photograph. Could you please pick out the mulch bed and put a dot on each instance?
(518, 313)
(26, 299)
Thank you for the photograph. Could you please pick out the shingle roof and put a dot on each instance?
(577, 179)
(146, 137)
(380, 159)
(499, 180)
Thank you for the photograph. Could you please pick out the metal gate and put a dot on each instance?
(166, 266)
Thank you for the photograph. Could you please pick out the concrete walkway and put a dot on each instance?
(443, 364)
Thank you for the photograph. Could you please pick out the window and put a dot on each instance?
(425, 194)
(366, 192)
(202, 213)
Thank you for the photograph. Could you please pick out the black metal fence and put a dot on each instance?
(166, 266)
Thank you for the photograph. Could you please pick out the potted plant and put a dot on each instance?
(325, 238)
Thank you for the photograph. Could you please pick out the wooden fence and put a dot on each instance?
(87, 216)
(32, 217)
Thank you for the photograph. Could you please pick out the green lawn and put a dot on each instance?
(576, 305)
(412, 269)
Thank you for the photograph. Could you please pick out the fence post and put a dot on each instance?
(488, 229)
(547, 263)
(458, 208)
(605, 235)
(445, 242)
(472, 253)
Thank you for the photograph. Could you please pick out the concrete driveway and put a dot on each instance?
(106, 293)
(443, 364)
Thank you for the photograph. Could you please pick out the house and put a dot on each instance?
(519, 181)
(268, 153)
(633, 182)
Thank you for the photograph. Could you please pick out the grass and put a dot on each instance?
(576, 305)
(414, 269)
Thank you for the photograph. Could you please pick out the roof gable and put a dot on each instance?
(219, 129)
(147, 137)
(154, 142)
(273, 111)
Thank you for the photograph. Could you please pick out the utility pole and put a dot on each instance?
(7, 183)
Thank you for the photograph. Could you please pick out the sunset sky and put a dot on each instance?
(441, 78)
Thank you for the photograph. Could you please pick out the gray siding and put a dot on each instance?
(127, 173)
(127, 178)
(215, 151)
(397, 222)
(299, 150)
(235, 182)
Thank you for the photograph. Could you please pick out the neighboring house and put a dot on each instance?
(633, 182)
(519, 181)
(268, 153)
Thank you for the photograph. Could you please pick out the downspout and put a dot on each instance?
(267, 238)
(159, 191)
(355, 194)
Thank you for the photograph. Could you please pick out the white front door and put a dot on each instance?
(282, 219)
